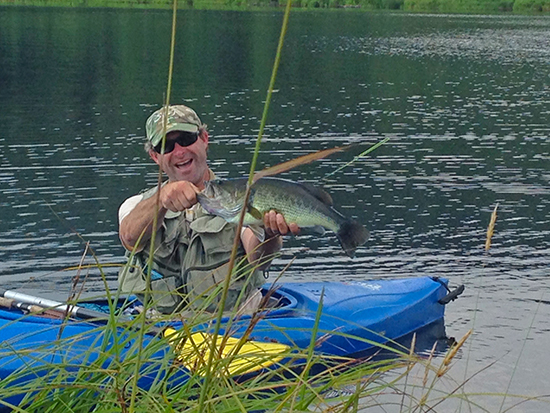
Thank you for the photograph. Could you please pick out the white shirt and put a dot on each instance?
(128, 206)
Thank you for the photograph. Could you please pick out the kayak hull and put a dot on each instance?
(347, 318)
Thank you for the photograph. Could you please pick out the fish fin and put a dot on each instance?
(318, 193)
(351, 234)
(255, 213)
(250, 209)
(258, 231)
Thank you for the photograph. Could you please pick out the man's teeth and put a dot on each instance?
(184, 163)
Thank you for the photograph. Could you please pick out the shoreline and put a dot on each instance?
(506, 7)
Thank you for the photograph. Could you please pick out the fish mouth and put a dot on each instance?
(209, 204)
(211, 198)
(215, 207)
(209, 191)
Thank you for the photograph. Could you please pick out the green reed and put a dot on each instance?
(247, 195)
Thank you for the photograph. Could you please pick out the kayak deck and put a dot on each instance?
(385, 308)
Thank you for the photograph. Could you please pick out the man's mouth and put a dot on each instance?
(184, 164)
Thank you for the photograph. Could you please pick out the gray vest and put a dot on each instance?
(189, 264)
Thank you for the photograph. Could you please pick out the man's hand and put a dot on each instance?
(174, 196)
(178, 196)
(275, 224)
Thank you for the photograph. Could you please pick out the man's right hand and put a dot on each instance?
(178, 196)
(174, 196)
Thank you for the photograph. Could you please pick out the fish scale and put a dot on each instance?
(304, 210)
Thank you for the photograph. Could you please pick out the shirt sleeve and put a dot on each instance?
(258, 231)
(127, 206)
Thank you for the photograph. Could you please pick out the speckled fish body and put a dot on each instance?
(303, 204)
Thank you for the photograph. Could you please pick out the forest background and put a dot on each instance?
(433, 6)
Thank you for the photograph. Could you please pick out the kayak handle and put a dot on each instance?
(452, 295)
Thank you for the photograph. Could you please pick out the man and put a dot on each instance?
(191, 248)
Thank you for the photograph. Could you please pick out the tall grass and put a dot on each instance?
(121, 365)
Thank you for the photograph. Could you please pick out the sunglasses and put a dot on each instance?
(183, 139)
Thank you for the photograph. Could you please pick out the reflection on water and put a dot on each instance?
(463, 99)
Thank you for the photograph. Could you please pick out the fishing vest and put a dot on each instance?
(190, 263)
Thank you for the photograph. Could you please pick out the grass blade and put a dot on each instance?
(302, 160)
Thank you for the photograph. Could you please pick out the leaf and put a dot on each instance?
(302, 160)
(369, 150)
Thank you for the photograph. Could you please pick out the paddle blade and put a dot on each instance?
(302, 160)
(238, 358)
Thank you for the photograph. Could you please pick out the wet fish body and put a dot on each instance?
(306, 205)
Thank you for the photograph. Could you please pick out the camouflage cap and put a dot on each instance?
(180, 118)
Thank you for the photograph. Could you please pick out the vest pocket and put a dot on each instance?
(211, 243)
(204, 286)
(166, 295)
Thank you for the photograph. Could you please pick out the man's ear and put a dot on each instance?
(154, 156)
(204, 136)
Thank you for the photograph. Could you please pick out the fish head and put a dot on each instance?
(223, 197)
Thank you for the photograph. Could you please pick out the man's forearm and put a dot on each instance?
(138, 222)
(260, 253)
(270, 247)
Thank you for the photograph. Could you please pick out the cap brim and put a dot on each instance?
(184, 127)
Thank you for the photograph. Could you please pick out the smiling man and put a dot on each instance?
(191, 248)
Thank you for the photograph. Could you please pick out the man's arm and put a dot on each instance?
(275, 226)
(174, 196)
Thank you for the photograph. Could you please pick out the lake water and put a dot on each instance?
(465, 101)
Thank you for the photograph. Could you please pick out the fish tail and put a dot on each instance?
(351, 234)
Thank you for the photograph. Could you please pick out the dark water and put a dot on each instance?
(464, 99)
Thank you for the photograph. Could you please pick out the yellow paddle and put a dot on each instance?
(239, 358)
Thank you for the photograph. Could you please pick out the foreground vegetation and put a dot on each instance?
(109, 377)
(445, 6)
(125, 367)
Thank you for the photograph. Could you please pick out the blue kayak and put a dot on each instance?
(347, 318)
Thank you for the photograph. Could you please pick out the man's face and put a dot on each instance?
(185, 163)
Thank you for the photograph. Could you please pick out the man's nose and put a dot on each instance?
(179, 148)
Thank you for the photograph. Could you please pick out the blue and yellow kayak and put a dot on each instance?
(343, 319)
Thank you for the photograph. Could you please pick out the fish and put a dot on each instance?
(306, 205)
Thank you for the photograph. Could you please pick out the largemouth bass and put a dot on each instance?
(304, 204)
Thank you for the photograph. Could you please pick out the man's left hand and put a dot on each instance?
(275, 224)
